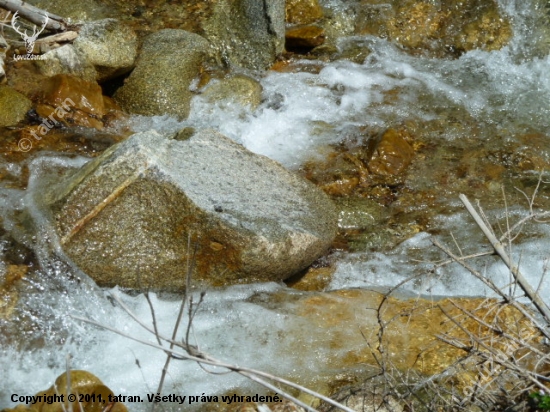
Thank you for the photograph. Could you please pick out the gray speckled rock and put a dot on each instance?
(13, 106)
(66, 60)
(109, 45)
(126, 216)
(104, 49)
(249, 33)
(168, 63)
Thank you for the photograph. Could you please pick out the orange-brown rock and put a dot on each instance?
(392, 154)
(305, 37)
(82, 383)
(448, 29)
(415, 24)
(72, 101)
(8, 289)
(410, 339)
(303, 11)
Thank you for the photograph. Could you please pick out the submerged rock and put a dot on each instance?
(72, 101)
(168, 63)
(95, 396)
(126, 217)
(239, 90)
(392, 154)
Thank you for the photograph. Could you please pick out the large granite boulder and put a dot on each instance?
(126, 217)
(169, 61)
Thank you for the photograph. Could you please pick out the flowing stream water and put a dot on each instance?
(505, 92)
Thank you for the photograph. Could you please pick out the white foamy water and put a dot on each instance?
(300, 114)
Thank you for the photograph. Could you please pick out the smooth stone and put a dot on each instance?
(170, 60)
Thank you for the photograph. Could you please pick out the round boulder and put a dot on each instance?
(169, 61)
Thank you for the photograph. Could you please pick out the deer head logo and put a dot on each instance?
(29, 40)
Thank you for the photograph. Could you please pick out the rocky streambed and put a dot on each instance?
(303, 175)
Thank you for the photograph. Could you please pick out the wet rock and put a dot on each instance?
(447, 29)
(355, 50)
(110, 46)
(103, 50)
(9, 294)
(13, 106)
(303, 11)
(82, 383)
(72, 101)
(416, 24)
(359, 213)
(248, 33)
(487, 30)
(168, 63)
(357, 169)
(411, 328)
(392, 154)
(343, 172)
(240, 90)
(66, 60)
(304, 37)
(125, 218)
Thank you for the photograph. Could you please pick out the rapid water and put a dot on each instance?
(301, 115)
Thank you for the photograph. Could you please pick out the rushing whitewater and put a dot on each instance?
(301, 114)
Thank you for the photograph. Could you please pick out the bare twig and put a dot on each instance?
(190, 268)
(497, 245)
(544, 330)
(208, 360)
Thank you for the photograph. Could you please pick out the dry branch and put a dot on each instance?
(497, 245)
(204, 359)
(34, 14)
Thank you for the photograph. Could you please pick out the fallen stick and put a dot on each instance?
(34, 14)
(522, 282)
